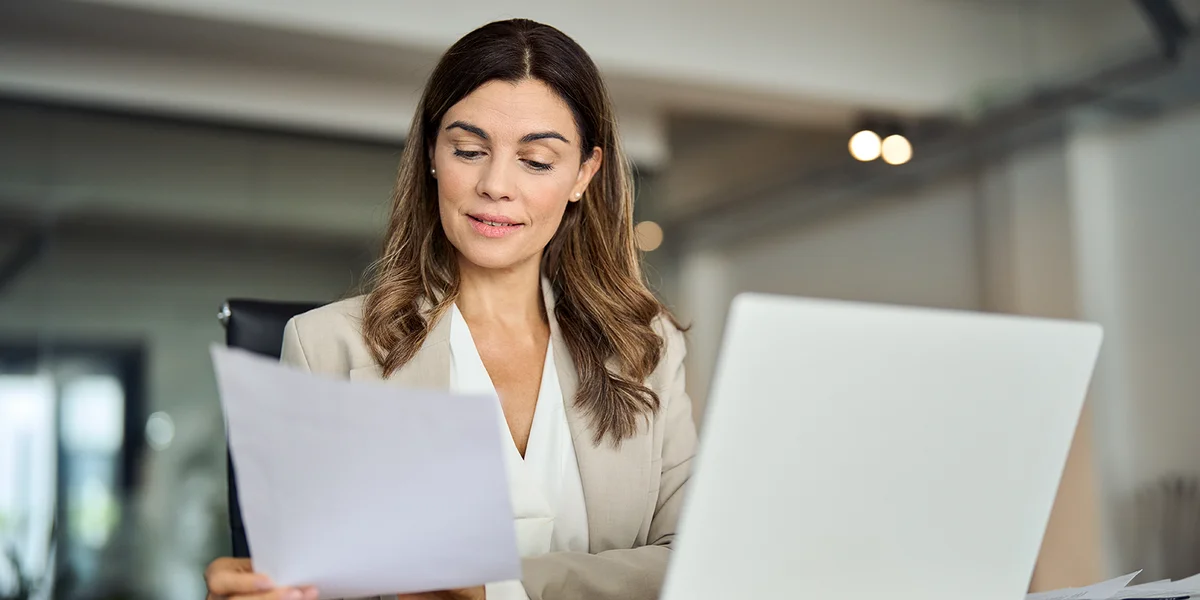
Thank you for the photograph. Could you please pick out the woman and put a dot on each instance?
(510, 268)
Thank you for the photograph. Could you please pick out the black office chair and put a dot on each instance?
(257, 326)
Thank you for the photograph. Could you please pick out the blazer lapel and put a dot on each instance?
(615, 479)
(429, 368)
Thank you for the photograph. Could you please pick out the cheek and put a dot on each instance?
(454, 190)
(547, 208)
(454, 185)
(547, 197)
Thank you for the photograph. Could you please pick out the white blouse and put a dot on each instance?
(545, 488)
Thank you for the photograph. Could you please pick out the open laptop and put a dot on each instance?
(864, 451)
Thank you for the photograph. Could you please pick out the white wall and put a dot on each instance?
(1136, 197)
(917, 248)
(1026, 229)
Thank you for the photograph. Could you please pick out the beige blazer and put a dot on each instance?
(633, 492)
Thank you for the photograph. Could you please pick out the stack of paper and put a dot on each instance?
(1119, 589)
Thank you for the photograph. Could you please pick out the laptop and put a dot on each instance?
(855, 450)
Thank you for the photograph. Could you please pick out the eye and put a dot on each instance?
(539, 166)
(468, 154)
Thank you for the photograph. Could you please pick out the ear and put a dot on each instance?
(587, 170)
(431, 148)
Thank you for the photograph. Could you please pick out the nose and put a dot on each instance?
(497, 180)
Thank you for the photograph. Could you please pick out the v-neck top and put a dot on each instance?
(545, 487)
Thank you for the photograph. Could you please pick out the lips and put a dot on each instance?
(494, 226)
(494, 223)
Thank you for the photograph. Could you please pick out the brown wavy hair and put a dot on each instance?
(603, 307)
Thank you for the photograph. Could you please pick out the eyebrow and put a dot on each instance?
(530, 137)
(469, 128)
(544, 135)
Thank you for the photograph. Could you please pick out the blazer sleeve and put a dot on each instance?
(293, 351)
(636, 573)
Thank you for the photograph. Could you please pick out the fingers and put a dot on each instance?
(235, 579)
(226, 576)
(228, 563)
(304, 593)
(233, 576)
(301, 593)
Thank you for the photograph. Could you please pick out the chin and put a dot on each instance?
(500, 261)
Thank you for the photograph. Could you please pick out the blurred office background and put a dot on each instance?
(160, 156)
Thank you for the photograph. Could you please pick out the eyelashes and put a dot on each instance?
(477, 154)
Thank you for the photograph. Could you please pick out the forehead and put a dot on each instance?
(509, 111)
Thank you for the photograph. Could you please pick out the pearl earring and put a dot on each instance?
(433, 171)
(578, 195)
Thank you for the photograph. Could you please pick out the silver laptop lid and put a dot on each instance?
(867, 451)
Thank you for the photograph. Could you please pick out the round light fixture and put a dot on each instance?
(896, 149)
(649, 235)
(865, 145)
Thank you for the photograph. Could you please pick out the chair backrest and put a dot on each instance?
(257, 326)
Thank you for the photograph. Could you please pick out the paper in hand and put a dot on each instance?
(366, 488)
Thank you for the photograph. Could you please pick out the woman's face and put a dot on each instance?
(507, 161)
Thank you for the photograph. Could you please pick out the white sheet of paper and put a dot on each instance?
(1135, 591)
(1107, 589)
(1097, 591)
(1150, 589)
(1118, 589)
(366, 488)
(1162, 589)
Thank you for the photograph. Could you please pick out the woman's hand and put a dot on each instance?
(475, 593)
(235, 579)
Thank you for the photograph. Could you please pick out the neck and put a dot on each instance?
(509, 297)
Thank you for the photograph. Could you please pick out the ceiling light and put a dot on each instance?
(896, 150)
(865, 145)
